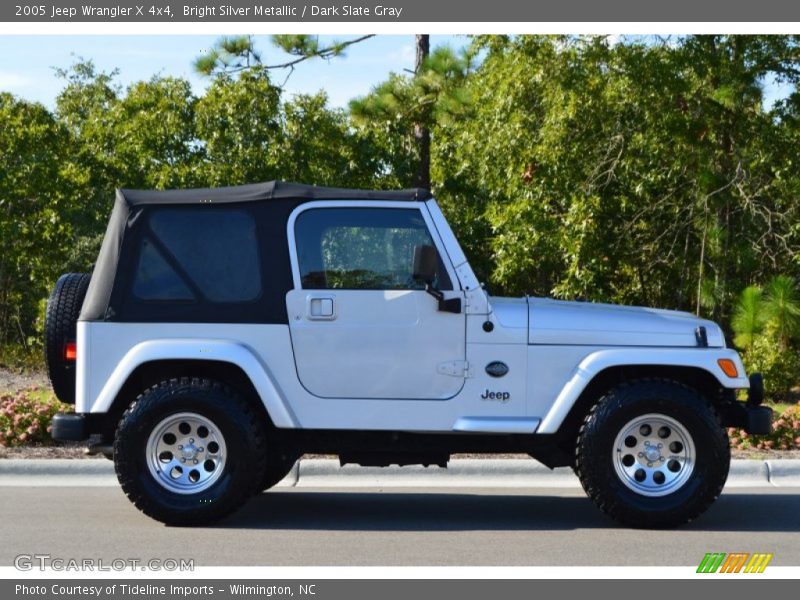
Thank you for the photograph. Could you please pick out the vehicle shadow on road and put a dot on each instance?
(751, 512)
(447, 511)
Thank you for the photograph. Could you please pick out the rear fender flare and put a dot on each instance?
(227, 351)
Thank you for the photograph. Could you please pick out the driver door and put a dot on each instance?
(361, 327)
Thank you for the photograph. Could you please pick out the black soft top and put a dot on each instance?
(270, 203)
(269, 190)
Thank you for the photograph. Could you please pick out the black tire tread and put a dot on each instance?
(61, 318)
(124, 463)
(611, 504)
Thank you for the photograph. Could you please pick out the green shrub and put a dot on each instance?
(766, 324)
(779, 366)
(785, 434)
(26, 421)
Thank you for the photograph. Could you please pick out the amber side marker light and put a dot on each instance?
(728, 367)
(70, 351)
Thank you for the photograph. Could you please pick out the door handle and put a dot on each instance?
(320, 308)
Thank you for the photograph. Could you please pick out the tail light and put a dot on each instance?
(70, 351)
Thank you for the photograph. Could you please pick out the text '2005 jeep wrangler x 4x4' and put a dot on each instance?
(225, 332)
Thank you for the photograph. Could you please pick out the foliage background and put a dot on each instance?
(637, 170)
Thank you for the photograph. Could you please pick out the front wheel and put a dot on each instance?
(652, 453)
(189, 451)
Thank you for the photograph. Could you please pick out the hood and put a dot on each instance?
(591, 324)
(588, 323)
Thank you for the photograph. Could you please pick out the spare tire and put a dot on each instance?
(60, 329)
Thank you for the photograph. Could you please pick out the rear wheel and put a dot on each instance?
(190, 451)
(60, 330)
(653, 453)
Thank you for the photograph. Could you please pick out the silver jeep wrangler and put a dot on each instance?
(225, 332)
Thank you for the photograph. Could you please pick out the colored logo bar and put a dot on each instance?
(735, 562)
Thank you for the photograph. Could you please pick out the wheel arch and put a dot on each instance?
(154, 361)
(603, 370)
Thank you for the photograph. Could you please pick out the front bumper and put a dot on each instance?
(750, 416)
(755, 395)
(755, 420)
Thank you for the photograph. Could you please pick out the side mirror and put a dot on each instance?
(426, 261)
(424, 267)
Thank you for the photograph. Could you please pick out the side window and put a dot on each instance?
(361, 248)
(156, 279)
(207, 254)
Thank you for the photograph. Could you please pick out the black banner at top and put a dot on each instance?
(375, 11)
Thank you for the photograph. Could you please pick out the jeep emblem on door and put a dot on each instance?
(500, 396)
(497, 368)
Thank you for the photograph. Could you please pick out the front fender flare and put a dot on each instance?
(594, 363)
(210, 349)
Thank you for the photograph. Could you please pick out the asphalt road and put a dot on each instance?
(292, 526)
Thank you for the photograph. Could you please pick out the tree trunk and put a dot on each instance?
(422, 134)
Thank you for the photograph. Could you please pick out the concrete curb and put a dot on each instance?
(56, 472)
(784, 473)
(326, 473)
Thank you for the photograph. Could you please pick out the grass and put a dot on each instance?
(778, 407)
(40, 395)
(36, 393)
(19, 358)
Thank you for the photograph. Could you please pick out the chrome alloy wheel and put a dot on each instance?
(653, 455)
(186, 453)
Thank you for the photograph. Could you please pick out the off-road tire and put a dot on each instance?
(245, 439)
(594, 463)
(60, 327)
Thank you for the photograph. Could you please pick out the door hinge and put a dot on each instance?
(455, 368)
